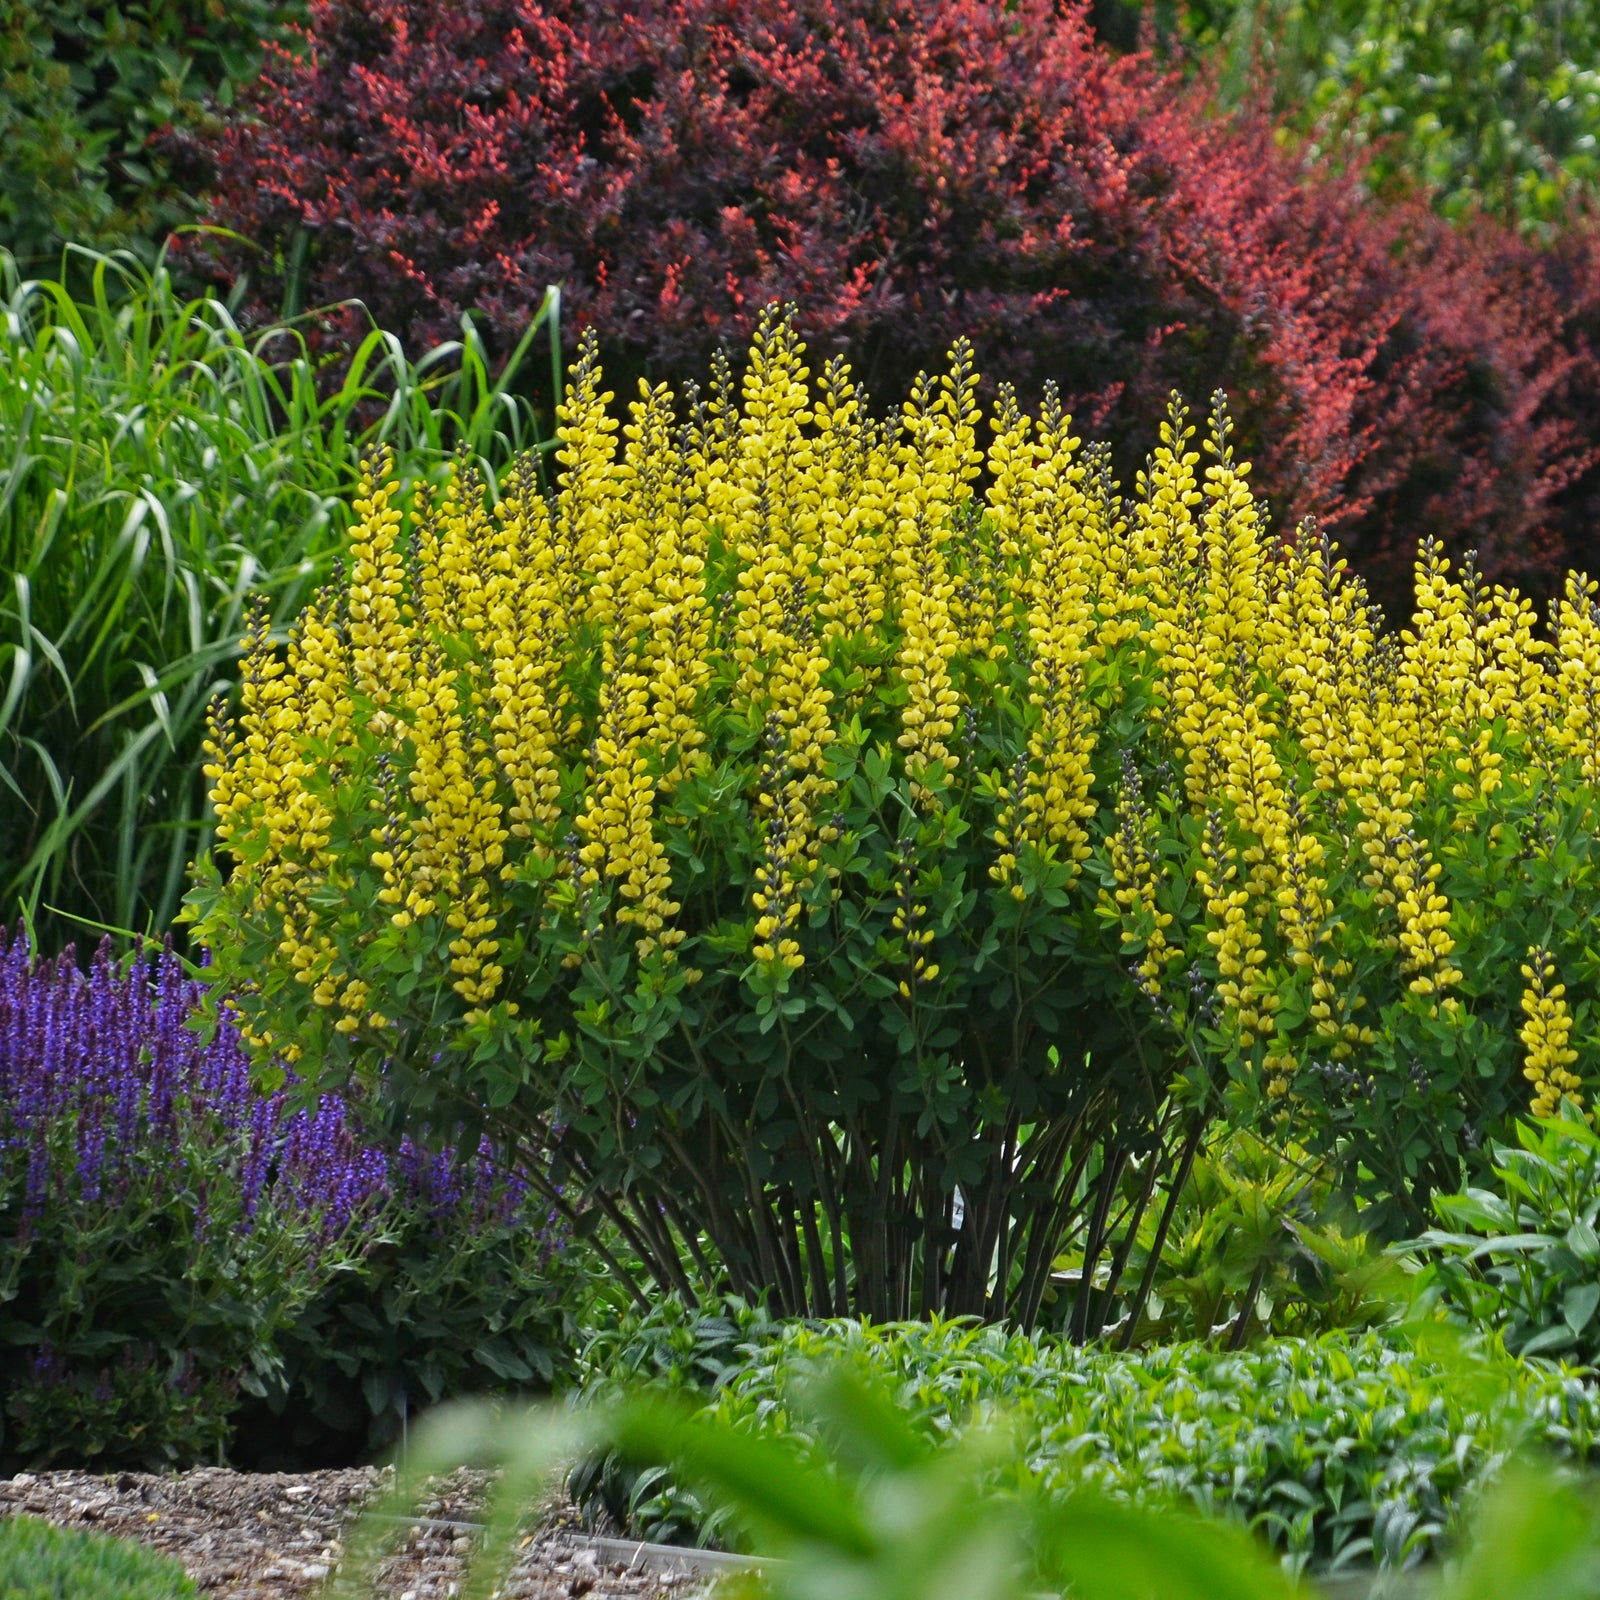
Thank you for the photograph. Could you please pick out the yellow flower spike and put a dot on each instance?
(1009, 463)
(1231, 543)
(1116, 560)
(933, 458)
(583, 534)
(261, 781)
(651, 665)
(380, 636)
(1050, 803)
(1134, 870)
(847, 485)
(777, 480)
(769, 525)
(1574, 718)
(670, 614)
(1235, 939)
(1548, 1055)
(464, 554)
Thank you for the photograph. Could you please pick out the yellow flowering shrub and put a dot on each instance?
(865, 853)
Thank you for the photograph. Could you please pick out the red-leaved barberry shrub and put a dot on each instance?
(1434, 380)
(907, 171)
(1569, 272)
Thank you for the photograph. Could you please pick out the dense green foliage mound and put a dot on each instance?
(89, 90)
(871, 1508)
(38, 1562)
(1521, 1257)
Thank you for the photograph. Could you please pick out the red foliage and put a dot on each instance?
(1423, 379)
(906, 171)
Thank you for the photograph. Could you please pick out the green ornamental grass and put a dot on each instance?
(160, 465)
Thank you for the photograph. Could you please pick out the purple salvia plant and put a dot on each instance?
(117, 1107)
(109, 1058)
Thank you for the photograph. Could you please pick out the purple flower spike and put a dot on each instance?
(104, 1085)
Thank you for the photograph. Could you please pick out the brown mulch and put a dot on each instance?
(278, 1536)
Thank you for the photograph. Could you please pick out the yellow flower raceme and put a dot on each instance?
(933, 462)
(1321, 632)
(1575, 718)
(1054, 804)
(1136, 870)
(1545, 1034)
(771, 518)
(259, 764)
(527, 598)
(379, 662)
(851, 489)
(1470, 663)
(1234, 935)
(1009, 463)
(779, 533)
(584, 533)
(618, 823)
(1170, 540)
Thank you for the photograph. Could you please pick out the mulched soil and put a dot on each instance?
(277, 1536)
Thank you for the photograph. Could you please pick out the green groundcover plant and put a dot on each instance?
(39, 1562)
(872, 1509)
(1343, 1450)
(159, 469)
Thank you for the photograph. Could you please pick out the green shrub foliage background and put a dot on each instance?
(87, 88)
(1492, 105)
